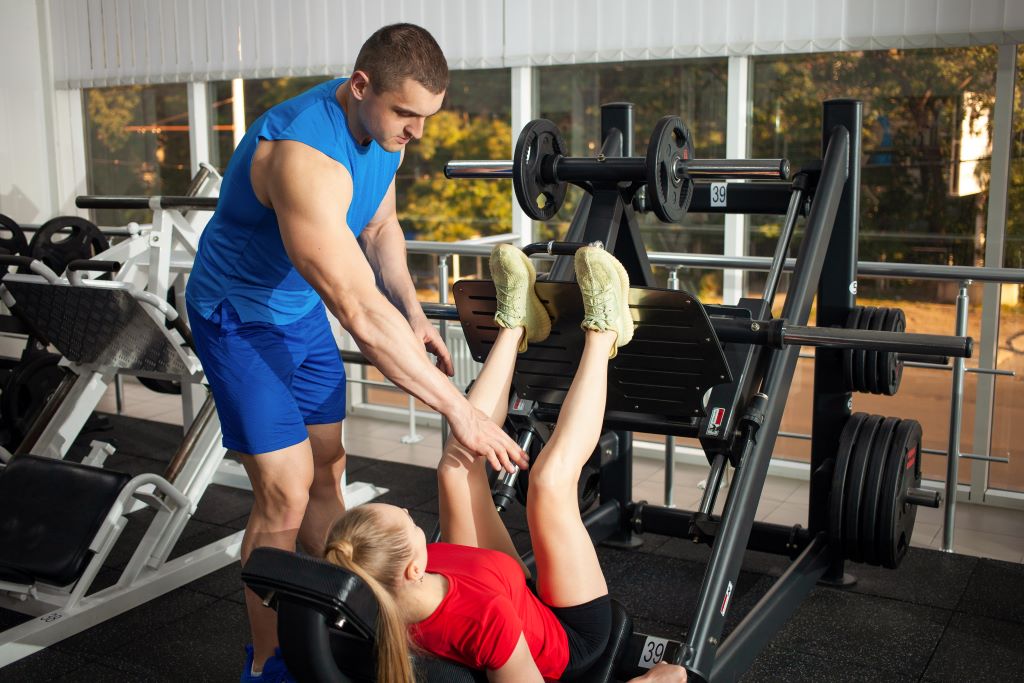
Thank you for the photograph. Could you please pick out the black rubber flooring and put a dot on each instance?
(939, 617)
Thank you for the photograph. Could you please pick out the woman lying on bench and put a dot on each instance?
(466, 599)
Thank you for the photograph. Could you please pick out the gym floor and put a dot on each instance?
(939, 617)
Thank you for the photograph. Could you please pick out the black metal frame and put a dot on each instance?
(763, 364)
(754, 402)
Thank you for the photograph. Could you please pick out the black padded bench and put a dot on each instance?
(50, 513)
(327, 617)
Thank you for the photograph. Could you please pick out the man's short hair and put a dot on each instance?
(400, 51)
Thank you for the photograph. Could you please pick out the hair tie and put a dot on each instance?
(344, 548)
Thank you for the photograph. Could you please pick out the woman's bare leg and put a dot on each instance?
(467, 511)
(568, 572)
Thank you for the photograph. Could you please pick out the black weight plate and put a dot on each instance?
(12, 237)
(896, 517)
(854, 490)
(27, 390)
(852, 320)
(847, 440)
(885, 360)
(859, 355)
(871, 376)
(539, 142)
(668, 192)
(64, 239)
(873, 488)
(893, 367)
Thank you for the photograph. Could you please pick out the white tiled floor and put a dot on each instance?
(980, 530)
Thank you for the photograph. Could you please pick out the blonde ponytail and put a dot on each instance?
(362, 544)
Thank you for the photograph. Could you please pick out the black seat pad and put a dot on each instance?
(50, 512)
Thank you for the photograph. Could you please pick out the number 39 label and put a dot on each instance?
(653, 652)
(718, 193)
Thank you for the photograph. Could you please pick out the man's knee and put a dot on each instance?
(328, 469)
(282, 502)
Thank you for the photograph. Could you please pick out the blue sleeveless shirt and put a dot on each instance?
(241, 256)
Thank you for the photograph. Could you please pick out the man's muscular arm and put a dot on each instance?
(384, 245)
(310, 194)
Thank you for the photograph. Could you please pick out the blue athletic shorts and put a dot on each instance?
(270, 381)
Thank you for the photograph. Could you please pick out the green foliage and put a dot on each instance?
(435, 208)
(915, 105)
(110, 110)
(137, 142)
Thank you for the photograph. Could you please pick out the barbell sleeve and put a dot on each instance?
(478, 169)
(872, 340)
(734, 169)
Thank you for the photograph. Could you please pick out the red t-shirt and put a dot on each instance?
(487, 607)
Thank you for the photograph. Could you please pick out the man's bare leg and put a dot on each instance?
(281, 483)
(325, 499)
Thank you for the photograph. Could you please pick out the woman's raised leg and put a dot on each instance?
(568, 572)
(467, 511)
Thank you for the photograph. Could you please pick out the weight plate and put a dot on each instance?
(854, 490)
(891, 365)
(872, 378)
(537, 146)
(12, 237)
(852, 320)
(668, 191)
(896, 516)
(872, 489)
(847, 440)
(28, 388)
(64, 239)
(859, 355)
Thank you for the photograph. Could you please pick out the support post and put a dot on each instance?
(442, 291)
(198, 124)
(238, 110)
(995, 233)
(837, 294)
(956, 406)
(736, 147)
(523, 111)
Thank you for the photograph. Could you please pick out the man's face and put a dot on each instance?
(396, 117)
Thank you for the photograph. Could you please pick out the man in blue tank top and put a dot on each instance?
(306, 223)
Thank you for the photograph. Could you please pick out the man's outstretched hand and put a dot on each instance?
(484, 439)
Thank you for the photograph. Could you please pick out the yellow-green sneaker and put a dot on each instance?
(604, 285)
(518, 305)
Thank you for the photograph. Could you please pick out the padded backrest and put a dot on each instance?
(322, 586)
(50, 512)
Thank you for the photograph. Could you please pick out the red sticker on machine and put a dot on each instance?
(715, 423)
(911, 457)
(725, 598)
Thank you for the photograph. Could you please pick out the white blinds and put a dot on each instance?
(659, 29)
(108, 42)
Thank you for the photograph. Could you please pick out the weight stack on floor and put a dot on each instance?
(876, 488)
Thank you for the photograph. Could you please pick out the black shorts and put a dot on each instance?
(588, 628)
